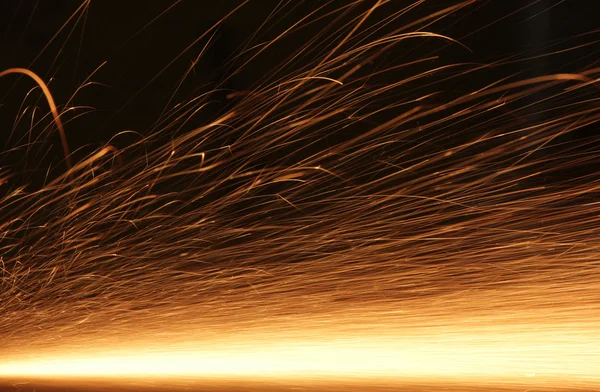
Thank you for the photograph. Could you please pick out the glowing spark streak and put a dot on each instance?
(55, 115)
(565, 356)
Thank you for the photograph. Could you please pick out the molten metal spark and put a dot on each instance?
(347, 218)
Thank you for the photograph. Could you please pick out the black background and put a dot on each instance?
(149, 45)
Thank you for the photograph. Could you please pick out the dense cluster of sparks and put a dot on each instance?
(351, 216)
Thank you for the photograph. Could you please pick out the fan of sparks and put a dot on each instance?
(354, 215)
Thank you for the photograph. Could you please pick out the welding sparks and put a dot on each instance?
(350, 217)
(474, 355)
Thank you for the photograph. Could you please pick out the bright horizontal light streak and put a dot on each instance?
(563, 355)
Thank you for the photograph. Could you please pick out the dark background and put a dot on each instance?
(149, 45)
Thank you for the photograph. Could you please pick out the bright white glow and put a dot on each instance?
(507, 356)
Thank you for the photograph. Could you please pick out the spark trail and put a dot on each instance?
(352, 216)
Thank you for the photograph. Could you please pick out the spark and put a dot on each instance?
(354, 217)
